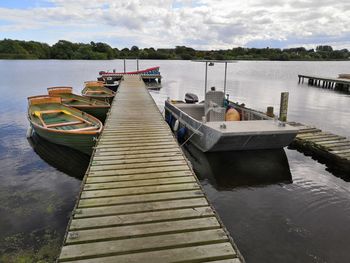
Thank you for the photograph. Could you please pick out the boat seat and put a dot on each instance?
(61, 124)
(39, 114)
(214, 106)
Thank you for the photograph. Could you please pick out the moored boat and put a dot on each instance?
(96, 90)
(219, 125)
(63, 125)
(94, 107)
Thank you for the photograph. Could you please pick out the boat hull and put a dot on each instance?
(98, 112)
(81, 142)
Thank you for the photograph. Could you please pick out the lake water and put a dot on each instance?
(279, 206)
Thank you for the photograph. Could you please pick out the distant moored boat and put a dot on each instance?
(94, 107)
(96, 90)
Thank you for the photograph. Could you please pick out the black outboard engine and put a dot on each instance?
(191, 98)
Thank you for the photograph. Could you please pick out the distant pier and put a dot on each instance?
(338, 84)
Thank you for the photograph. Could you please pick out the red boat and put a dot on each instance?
(148, 71)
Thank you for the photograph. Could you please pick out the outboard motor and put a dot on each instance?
(191, 98)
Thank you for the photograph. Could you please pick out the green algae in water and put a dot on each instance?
(18, 250)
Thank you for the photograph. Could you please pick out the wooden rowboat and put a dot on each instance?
(63, 125)
(96, 90)
(96, 108)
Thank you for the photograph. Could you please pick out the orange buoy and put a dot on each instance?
(232, 115)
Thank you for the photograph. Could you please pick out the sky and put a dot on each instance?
(201, 24)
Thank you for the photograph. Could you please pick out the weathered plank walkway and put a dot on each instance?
(140, 200)
(339, 84)
(327, 145)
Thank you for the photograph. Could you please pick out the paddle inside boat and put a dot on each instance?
(94, 107)
(63, 125)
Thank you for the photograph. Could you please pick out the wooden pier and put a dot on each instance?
(328, 146)
(140, 200)
(339, 84)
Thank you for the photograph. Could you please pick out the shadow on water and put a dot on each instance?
(64, 159)
(226, 170)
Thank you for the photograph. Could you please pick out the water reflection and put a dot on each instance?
(64, 159)
(227, 170)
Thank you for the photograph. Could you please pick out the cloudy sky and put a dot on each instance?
(202, 24)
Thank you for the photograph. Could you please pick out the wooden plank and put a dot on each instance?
(129, 199)
(321, 139)
(128, 142)
(108, 185)
(136, 165)
(338, 145)
(140, 170)
(340, 151)
(140, 218)
(140, 207)
(316, 136)
(135, 148)
(99, 153)
(327, 139)
(333, 142)
(139, 190)
(134, 139)
(308, 131)
(177, 157)
(136, 177)
(107, 158)
(184, 254)
(111, 233)
(138, 244)
(169, 144)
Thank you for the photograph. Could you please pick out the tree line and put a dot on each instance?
(17, 49)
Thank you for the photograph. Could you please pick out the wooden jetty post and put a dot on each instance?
(284, 106)
(140, 200)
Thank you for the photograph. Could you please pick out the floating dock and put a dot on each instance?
(339, 84)
(140, 200)
(329, 146)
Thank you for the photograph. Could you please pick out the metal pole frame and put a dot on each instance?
(206, 79)
(225, 78)
(137, 63)
(124, 66)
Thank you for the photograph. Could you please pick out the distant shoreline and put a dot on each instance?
(65, 50)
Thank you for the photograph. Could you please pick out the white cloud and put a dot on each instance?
(203, 24)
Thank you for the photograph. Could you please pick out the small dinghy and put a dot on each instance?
(96, 90)
(96, 108)
(63, 125)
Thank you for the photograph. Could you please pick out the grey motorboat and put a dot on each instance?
(205, 126)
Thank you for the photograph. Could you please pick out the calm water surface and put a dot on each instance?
(279, 206)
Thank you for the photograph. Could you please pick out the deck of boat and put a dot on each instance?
(140, 200)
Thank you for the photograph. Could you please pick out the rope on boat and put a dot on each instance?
(191, 135)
